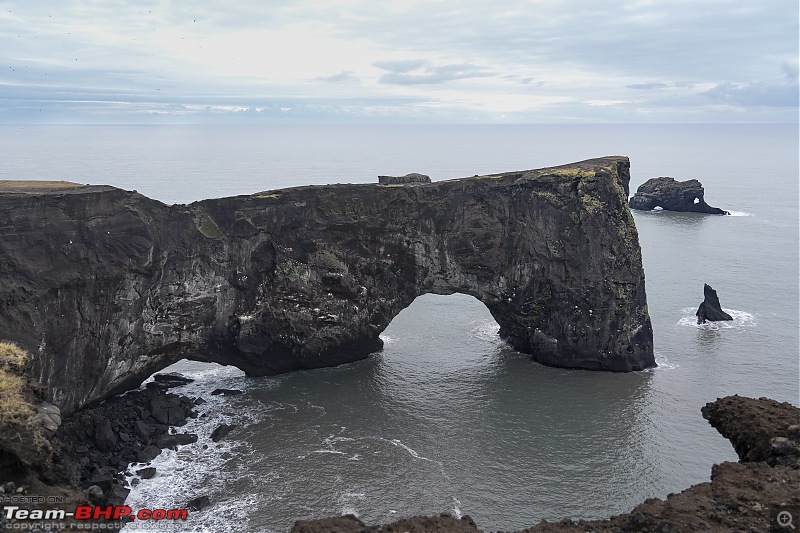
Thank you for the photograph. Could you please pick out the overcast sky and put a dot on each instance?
(401, 61)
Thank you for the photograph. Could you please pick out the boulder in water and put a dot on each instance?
(710, 309)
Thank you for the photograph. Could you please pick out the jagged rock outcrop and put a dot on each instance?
(710, 309)
(672, 195)
(408, 179)
(104, 286)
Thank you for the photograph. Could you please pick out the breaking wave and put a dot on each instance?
(487, 330)
(740, 319)
(664, 364)
(193, 470)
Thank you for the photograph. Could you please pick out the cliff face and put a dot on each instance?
(105, 287)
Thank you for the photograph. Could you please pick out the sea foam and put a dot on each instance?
(196, 469)
(740, 319)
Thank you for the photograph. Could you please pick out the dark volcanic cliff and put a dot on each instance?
(105, 286)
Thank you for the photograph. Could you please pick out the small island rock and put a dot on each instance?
(672, 195)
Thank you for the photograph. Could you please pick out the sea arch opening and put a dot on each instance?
(443, 333)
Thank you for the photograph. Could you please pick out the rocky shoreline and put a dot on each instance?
(93, 451)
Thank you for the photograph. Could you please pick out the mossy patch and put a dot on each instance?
(206, 225)
(587, 191)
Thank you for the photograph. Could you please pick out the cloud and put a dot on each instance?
(758, 94)
(539, 60)
(401, 65)
(344, 76)
(647, 86)
(418, 72)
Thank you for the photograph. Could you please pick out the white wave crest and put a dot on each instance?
(413, 453)
(740, 319)
(348, 501)
(487, 330)
(456, 508)
(664, 364)
(387, 339)
(739, 214)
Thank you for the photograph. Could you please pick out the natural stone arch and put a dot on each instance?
(553, 254)
(310, 276)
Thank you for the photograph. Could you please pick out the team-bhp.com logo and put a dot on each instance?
(91, 512)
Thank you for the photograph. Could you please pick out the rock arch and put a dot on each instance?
(106, 286)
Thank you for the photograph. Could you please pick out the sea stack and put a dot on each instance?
(672, 195)
(710, 309)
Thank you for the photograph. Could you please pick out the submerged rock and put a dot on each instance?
(226, 392)
(672, 195)
(171, 380)
(221, 432)
(146, 473)
(199, 503)
(710, 309)
(105, 286)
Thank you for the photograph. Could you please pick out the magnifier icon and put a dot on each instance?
(785, 519)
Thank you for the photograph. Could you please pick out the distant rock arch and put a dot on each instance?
(672, 195)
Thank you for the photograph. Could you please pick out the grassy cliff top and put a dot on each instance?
(13, 404)
(29, 185)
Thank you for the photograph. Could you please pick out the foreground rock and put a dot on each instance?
(672, 195)
(444, 523)
(88, 455)
(745, 496)
(710, 309)
(94, 447)
(104, 286)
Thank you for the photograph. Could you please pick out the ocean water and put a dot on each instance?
(446, 417)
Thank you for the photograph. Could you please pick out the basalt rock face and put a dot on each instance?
(672, 195)
(105, 286)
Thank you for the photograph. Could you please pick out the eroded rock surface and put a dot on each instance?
(672, 195)
(105, 286)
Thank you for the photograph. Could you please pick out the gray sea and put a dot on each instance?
(447, 418)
